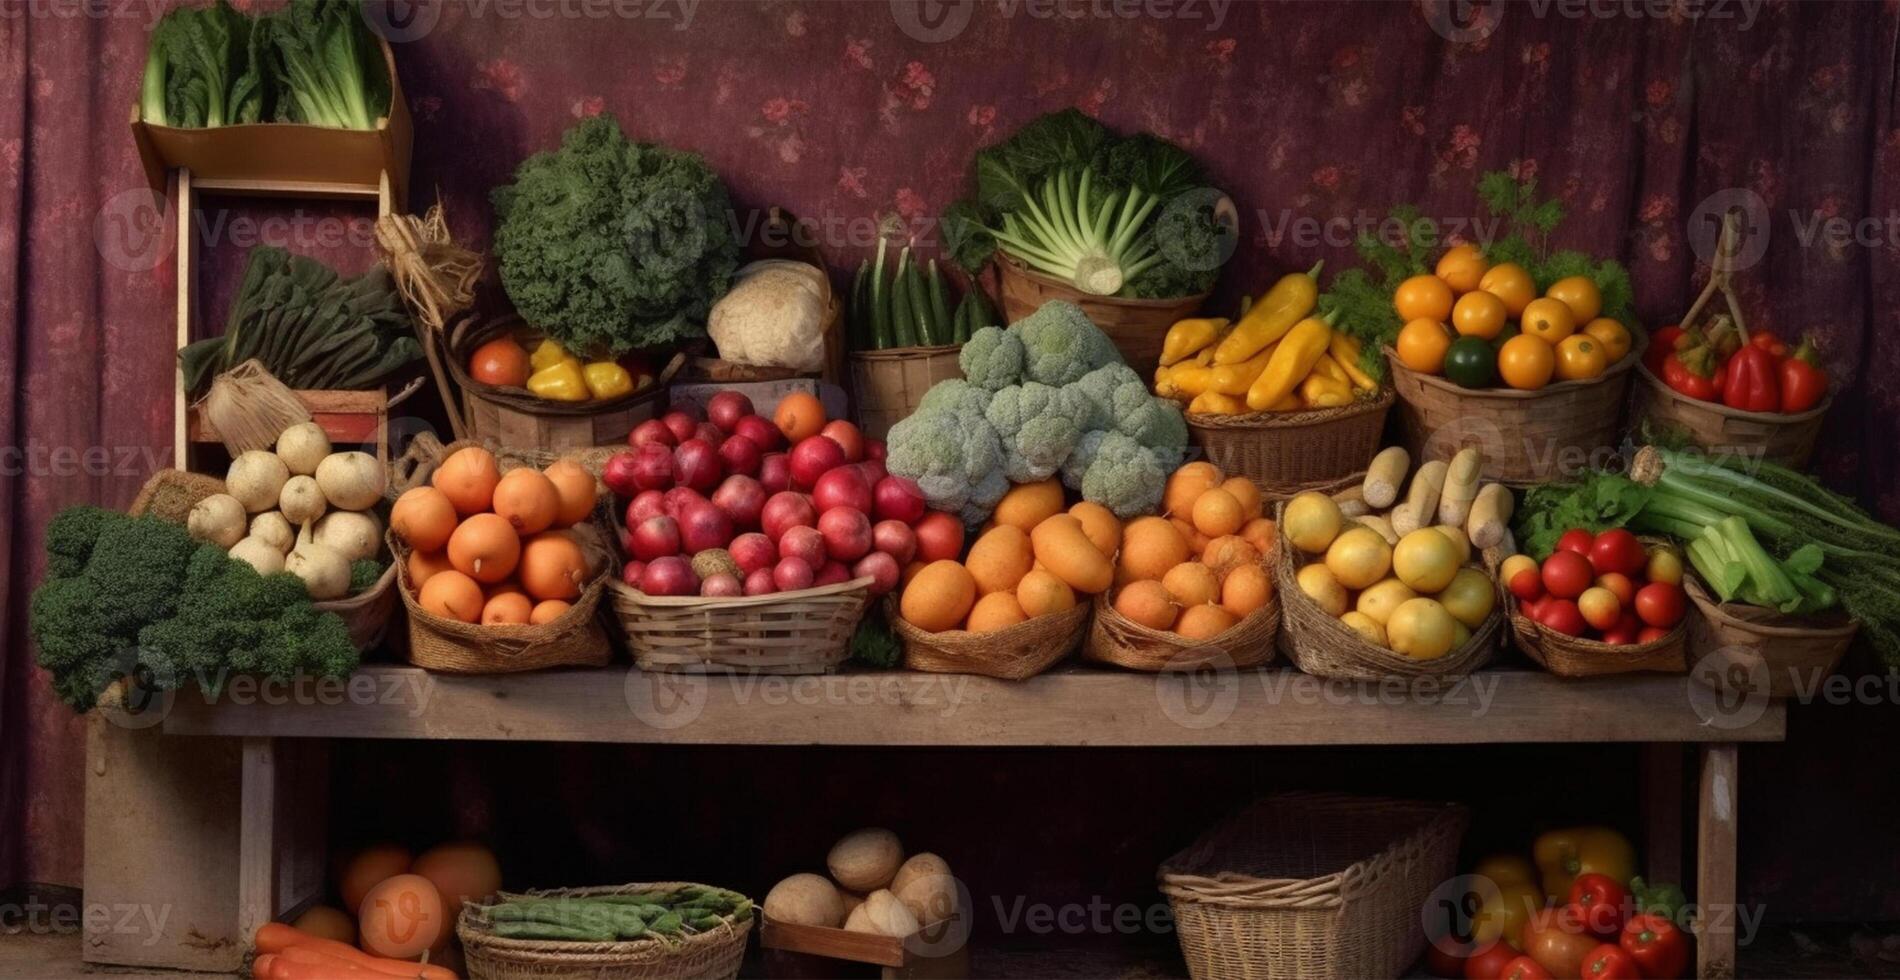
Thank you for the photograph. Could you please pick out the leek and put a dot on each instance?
(1067, 231)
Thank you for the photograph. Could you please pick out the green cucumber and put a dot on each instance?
(903, 315)
(961, 318)
(543, 930)
(942, 332)
(919, 295)
(860, 316)
(880, 301)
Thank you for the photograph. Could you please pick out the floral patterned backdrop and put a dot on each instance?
(1315, 117)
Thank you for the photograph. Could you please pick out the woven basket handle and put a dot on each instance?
(413, 467)
(1721, 276)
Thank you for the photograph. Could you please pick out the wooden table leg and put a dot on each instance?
(1715, 862)
(1662, 811)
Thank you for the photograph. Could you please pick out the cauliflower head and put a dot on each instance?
(992, 358)
(1061, 344)
(1037, 426)
(955, 456)
(1125, 476)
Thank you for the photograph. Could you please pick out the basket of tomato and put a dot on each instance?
(1538, 381)
(1608, 603)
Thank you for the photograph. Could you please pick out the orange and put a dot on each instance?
(1580, 358)
(1217, 512)
(1548, 319)
(1580, 294)
(1614, 337)
(1525, 362)
(1422, 346)
(1478, 314)
(1422, 297)
(799, 415)
(1509, 282)
(1461, 267)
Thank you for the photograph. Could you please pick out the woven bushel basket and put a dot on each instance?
(1014, 653)
(1116, 639)
(1788, 654)
(1528, 437)
(1288, 452)
(713, 955)
(803, 632)
(1303, 886)
(171, 494)
(1137, 326)
(1575, 656)
(1323, 646)
(1771, 436)
(888, 384)
(517, 416)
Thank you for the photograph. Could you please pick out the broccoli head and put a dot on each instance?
(1037, 425)
(364, 572)
(70, 536)
(956, 397)
(1125, 476)
(1078, 462)
(1097, 392)
(1156, 423)
(992, 358)
(949, 453)
(1061, 344)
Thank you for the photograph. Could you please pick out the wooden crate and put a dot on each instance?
(939, 951)
(347, 417)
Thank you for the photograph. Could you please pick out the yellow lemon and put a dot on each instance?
(1365, 626)
(1469, 597)
(1320, 586)
(1312, 520)
(1358, 557)
(1422, 629)
(1425, 560)
(1376, 603)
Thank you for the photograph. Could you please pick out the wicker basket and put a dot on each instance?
(1528, 437)
(513, 417)
(1116, 639)
(1137, 326)
(1771, 436)
(888, 384)
(1575, 656)
(171, 494)
(802, 632)
(1016, 653)
(1323, 646)
(714, 955)
(1289, 452)
(1790, 654)
(1305, 886)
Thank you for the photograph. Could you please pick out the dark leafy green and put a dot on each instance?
(873, 643)
(314, 62)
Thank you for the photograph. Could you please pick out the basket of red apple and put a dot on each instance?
(755, 539)
(1608, 603)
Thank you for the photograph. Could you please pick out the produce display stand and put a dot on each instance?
(228, 792)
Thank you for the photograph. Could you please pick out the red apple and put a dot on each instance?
(939, 537)
(696, 464)
(847, 437)
(899, 498)
(873, 470)
(785, 510)
(683, 425)
(741, 497)
(803, 542)
(831, 574)
(759, 581)
(753, 551)
(775, 472)
(652, 430)
(740, 455)
(791, 574)
(678, 501)
(669, 575)
(722, 584)
(895, 538)
(874, 449)
(813, 457)
(704, 526)
(847, 533)
(727, 408)
(761, 431)
(645, 504)
(652, 467)
(842, 487)
(883, 569)
(713, 434)
(655, 538)
(630, 572)
(618, 473)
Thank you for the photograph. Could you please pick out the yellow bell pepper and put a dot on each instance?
(1320, 391)
(1291, 362)
(1347, 351)
(1235, 379)
(547, 354)
(606, 379)
(1217, 403)
(1187, 337)
(1268, 320)
(1562, 855)
(561, 381)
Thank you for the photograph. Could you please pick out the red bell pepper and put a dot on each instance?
(1662, 343)
(1679, 374)
(1604, 902)
(1803, 383)
(1749, 382)
(1610, 962)
(1768, 342)
(1660, 949)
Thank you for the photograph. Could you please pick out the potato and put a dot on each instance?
(865, 860)
(806, 900)
(930, 898)
(920, 865)
(888, 915)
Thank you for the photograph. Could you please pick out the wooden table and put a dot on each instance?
(250, 783)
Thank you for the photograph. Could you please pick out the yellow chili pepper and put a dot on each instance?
(1268, 320)
(1235, 379)
(547, 354)
(1347, 352)
(1329, 367)
(1190, 378)
(1292, 361)
(1215, 403)
(1562, 855)
(606, 379)
(1291, 403)
(1320, 391)
(561, 381)
(1187, 337)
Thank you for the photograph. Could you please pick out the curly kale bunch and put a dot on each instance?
(1048, 396)
(610, 245)
(136, 594)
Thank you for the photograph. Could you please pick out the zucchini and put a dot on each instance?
(859, 318)
(880, 301)
(941, 330)
(919, 294)
(903, 319)
(960, 321)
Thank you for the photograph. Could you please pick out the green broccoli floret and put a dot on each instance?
(992, 358)
(1096, 392)
(363, 573)
(1078, 462)
(63, 617)
(1124, 476)
(1037, 426)
(949, 453)
(1156, 423)
(70, 536)
(955, 396)
(1061, 344)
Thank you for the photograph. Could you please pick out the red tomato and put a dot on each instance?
(1527, 586)
(1659, 604)
(1620, 586)
(1658, 947)
(1566, 574)
(1609, 962)
(1616, 550)
(1625, 632)
(1651, 633)
(1556, 939)
(1561, 615)
(1446, 956)
(1524, 968)
(1604, 901)
(499, 362)
(1577, 540)
(1600, 608)
(1489, 962)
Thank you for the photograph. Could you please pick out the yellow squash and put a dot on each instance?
(1187, 337)
(1330, 368)
(1320, 391)
(1235, 379)
(1269, 319)
(1215, 403)
(1189, 378)
(1293, 359)
(1347, 352)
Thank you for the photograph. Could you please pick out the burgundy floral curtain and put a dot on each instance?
(1316, 117)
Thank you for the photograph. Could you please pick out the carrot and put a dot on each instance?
(260, 967)
(304, 956)
(276, 937)
(286, 969)
(272, 937)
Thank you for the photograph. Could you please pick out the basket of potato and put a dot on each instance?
(1361, 602)
(1193, 585)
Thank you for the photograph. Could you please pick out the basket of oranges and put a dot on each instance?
(1537, 381)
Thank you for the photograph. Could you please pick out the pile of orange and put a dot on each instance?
(1200, 567)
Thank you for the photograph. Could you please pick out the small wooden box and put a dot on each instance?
(347, 417)
(936, 953)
